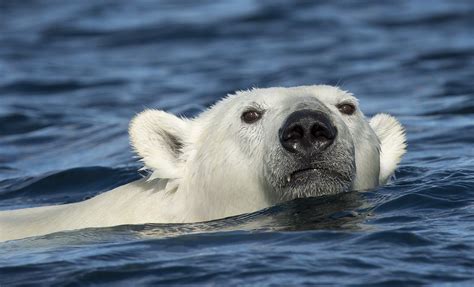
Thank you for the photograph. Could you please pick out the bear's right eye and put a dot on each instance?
(251, 116)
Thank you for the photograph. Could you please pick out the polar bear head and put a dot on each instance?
(264, 146)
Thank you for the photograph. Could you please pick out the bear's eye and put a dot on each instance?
(347, 109)
(251, 116)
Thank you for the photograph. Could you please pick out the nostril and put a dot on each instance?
(321, 132)
(295, 133)
(292, 137)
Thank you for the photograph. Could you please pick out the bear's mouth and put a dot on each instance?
(310, 171)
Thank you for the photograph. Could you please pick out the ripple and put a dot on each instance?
(398, 238)
(417, 202)
(17, 123)
(53, 87)
(62, 187)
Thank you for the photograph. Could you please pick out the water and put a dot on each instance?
(74, 73)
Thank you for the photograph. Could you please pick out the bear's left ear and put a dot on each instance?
(158, 138)
(392, 143)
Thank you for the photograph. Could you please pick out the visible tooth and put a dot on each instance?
(288, 178)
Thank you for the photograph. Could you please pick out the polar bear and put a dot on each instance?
(249, 151)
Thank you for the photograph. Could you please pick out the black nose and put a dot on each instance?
(307, 131)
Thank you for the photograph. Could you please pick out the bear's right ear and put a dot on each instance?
(158, 138)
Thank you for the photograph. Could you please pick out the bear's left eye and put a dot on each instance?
(346, 108)
(251, 116)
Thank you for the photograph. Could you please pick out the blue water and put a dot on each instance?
(73, 73)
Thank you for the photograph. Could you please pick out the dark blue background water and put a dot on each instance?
(73, 73)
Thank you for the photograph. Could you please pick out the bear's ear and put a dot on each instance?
(392, 143)
(158, 138)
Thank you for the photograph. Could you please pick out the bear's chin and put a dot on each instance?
(314, 182)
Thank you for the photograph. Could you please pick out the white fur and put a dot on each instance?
(392, 143)
(213, 166)
(148, 138)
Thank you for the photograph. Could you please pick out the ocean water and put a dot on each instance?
(73, 73)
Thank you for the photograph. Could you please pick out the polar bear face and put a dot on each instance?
(264, 146)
